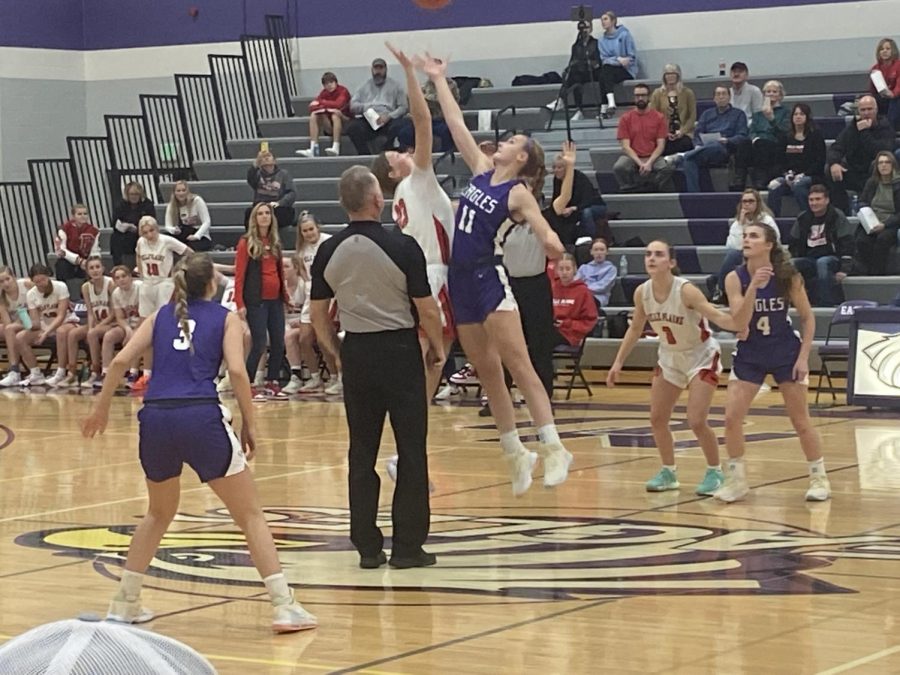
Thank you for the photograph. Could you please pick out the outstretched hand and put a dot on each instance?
(432, 66)
(569, 152)
(401, 57)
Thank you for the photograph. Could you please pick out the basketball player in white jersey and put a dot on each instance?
(125, 302)
(296, 288)
(96, 293)
(422, 210)
(689, 358)
(155, 260)
(13, 319)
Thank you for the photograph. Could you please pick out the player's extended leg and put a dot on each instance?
(663, 397)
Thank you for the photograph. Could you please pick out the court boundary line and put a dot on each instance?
(850, 665)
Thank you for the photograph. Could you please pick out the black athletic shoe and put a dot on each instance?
(372, 562)
(485, 411)
(420, 559)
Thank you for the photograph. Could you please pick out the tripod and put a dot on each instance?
(579, 63)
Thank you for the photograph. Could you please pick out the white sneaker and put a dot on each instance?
(520, 467)
(556, 104)
(734, 489)
(335, 388)
(89, 383)
(67, 380)
(55, 379)
(124, 611)
(603, 108)
(577, 117)
(314, 385)
(444, 392)
(556, 463)
(35, 379)
(464, 376)
(306, 153)
(12, 379)
(292, 618)
(334, 150)
(224, 384)
(819, 489)
(293, 386)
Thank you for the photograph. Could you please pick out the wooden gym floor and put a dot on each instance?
(595, 576)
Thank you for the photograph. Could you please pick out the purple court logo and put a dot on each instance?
(516, 556)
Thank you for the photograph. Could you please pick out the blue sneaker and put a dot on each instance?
(713, 479)
(664, 480)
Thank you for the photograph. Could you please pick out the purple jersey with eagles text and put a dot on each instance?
(482, 221)
(771, 334)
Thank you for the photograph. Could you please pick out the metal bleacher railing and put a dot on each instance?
(159, 145)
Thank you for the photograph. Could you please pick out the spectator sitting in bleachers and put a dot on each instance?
(406, 130)
(745, 97)
(887, 62)
(750, 210)
(679, 105)
(187, 218)
(822, 247)
(376, 107)
(599, 274)
(642, 134)
(574, 309)
(718, 130)
(329, 109)
(803, 161)
(575, 215)
(76, 241)
(273, 186)
(618, 60)
(584, 67)
(761, 150)
(882, 195)
(849, 159)
(127, 215)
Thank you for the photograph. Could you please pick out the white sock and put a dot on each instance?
(611, 100)
(133, 371)
(314, 146)
(548, 434)
(817, 467)
(336, 147)
(61, 372)
(130, 586)
(670, 467)
(34, 371)
(278, 588)
(510, 443)
(147, 373)
(714, 467)
(736, 467)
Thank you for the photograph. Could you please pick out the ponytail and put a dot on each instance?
(181, 307)
(192, 276)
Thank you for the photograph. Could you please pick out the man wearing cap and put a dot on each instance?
(745, 97)
(376, 107)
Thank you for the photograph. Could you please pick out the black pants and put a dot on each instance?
(121, 244)
(873, 251)
(763, 156)
(266, 320)
(838, 190)
(682, 144)
(610, 76)
(66, 270)
(284, 216)
(362, 134)
(535, 300)
(383, 374)
(199, 245)
(576, 79)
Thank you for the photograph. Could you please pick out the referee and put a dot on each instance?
(379, 282)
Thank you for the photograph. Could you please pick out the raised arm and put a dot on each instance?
(568, 181)
(418, 110)
(632, 335)
(524, 207)
(436, 69)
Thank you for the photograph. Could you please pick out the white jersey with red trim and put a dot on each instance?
(156, 260)
(679, 328)
(47, 305)
(100, 302)
(228, 301)
(423, 211)
(128, 302)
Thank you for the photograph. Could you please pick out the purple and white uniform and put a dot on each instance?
(772, 346)
(182, 420)
(478, 281)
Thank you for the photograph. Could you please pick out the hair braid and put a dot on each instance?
(181, 306)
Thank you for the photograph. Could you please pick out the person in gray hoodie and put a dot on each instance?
(274, 186)
(618, 59)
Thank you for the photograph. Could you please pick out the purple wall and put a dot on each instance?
(115, 24)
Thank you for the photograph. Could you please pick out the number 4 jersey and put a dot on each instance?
(679, 328)
(771, 331)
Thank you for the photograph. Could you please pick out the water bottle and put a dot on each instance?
(854, 205)
(623, 266)
(722, 64)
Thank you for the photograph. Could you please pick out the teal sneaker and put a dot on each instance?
(664, 480)
(712, 481)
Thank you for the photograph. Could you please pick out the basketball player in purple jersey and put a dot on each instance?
(770, 347)
(182, 421)
(485, 311)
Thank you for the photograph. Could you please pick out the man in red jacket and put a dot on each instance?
(329, 109)
(76, 241)
(574, 309)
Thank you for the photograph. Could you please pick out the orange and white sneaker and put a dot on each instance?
(141, 383)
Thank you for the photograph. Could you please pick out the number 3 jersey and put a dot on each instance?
(179, 373)
(679, 328)
(482, 222)
(771, 333)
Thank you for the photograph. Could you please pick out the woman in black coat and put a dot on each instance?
(127, 215)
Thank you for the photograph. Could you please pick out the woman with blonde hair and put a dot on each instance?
(14, 318)
(127, 215)
(187, 218)
(260, 296)
(887, 64)
(274, 186)
(679, 105)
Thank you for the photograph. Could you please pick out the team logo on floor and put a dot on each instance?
(517, 556)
